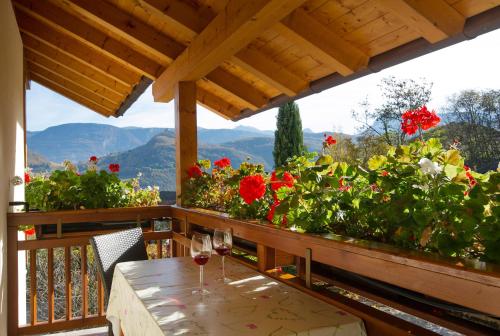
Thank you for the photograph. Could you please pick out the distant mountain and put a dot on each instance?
(76, 142)
(40, 164)
(218, 136)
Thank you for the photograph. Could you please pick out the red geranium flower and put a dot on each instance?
(114, 167)
(329, 140)
(287, 180)
(194, 172)
(27, 178)
(252, 188)
(29, 232)
(222, 163)
(270, 214)
(420, 118)
(93, 159)
(384, 173)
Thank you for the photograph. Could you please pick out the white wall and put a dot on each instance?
(11, 134)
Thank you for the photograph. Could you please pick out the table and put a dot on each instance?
(154, 298)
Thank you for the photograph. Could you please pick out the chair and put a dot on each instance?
(111, 249)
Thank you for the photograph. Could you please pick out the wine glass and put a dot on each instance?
(201, 250)
(223, 242)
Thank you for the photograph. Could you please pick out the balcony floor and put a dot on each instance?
(102, 331)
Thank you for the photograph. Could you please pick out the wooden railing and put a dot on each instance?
(75, 243)
(466, 283)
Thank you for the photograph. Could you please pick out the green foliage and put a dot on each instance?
(69, 190)
(288, 138)
(418, 196)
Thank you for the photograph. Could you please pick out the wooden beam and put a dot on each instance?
(230, 31)
(129, 28)
(191, 23)
(68, 45)
(216, 104)
(71, 95)
(328, 47)
(434, 19)
(185, 134)
(88, 35)
(71, 86)
(72, 63)
(73, 76)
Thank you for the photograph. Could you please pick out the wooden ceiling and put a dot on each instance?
(244, 55)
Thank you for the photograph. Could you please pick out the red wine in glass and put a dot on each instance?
(223, 250)
(201, 259)
(223, 242)
(201, 250)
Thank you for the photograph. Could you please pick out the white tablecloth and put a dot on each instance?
(154, 298)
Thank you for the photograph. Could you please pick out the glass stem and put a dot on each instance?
(223, 269)
(201, 279)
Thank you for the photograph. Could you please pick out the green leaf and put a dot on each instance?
(376, 162)
(452, 157)
(451, 171)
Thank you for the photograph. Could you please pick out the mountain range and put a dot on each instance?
(150, 151)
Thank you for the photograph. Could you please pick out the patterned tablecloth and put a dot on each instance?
(154, 298)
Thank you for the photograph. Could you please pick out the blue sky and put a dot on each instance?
(469, 65)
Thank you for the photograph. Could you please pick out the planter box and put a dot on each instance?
(469, 283)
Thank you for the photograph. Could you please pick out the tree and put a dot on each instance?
(399, 96)
(288, 138)
(474, 125)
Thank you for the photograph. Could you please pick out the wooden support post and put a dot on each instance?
(12, 285)
(265, 258)
(186, 133)
(308, 267)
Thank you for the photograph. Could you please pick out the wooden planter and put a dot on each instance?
(469, 283)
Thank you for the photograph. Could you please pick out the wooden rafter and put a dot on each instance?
(73, 76)
(70, 95)
(435, 20)
(90, 36)
(192, 22)
(76, 88)
(74, 64)
(323, 43)
(216, 104)
(68, 45)
(229, 32)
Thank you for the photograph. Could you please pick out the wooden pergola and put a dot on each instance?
(234, 57)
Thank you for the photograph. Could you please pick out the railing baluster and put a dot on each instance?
(100, 297)
(84, 281)
(67, 272)
(33, 296)
(159, 252)
(50, 284)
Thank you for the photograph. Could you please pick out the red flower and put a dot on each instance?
(29, 232)
(384, 173)
(467, 168)
(419, 118)
(93, 159)
(114, 167)
(329, 140)
(252, 188)
(270, 214)
(194, 172)
(286, 181)
(222, 163)
(27, 178)
(343, 187)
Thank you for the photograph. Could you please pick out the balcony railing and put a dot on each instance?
(465, 283)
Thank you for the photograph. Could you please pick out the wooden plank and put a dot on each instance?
(87, 215)
(333, 51)
(265, 258)
(77, 88)
(76, 323)
(90, 36)
(71, 95)
(100, 297)
(159, 250)
(84, 281)
(50, 284)
(185, 133)
(216, 104)
(461, 284)
(230, 31)
(12, 283)
(92, 73)
(435, 20)
(71, 46)
(74, 76)
(68, 283)
(191, 22)
(33, 285)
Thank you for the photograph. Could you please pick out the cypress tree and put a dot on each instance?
(288, 137)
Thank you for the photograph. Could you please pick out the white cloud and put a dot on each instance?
(468, 65)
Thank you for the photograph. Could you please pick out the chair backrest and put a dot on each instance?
(111, 249)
